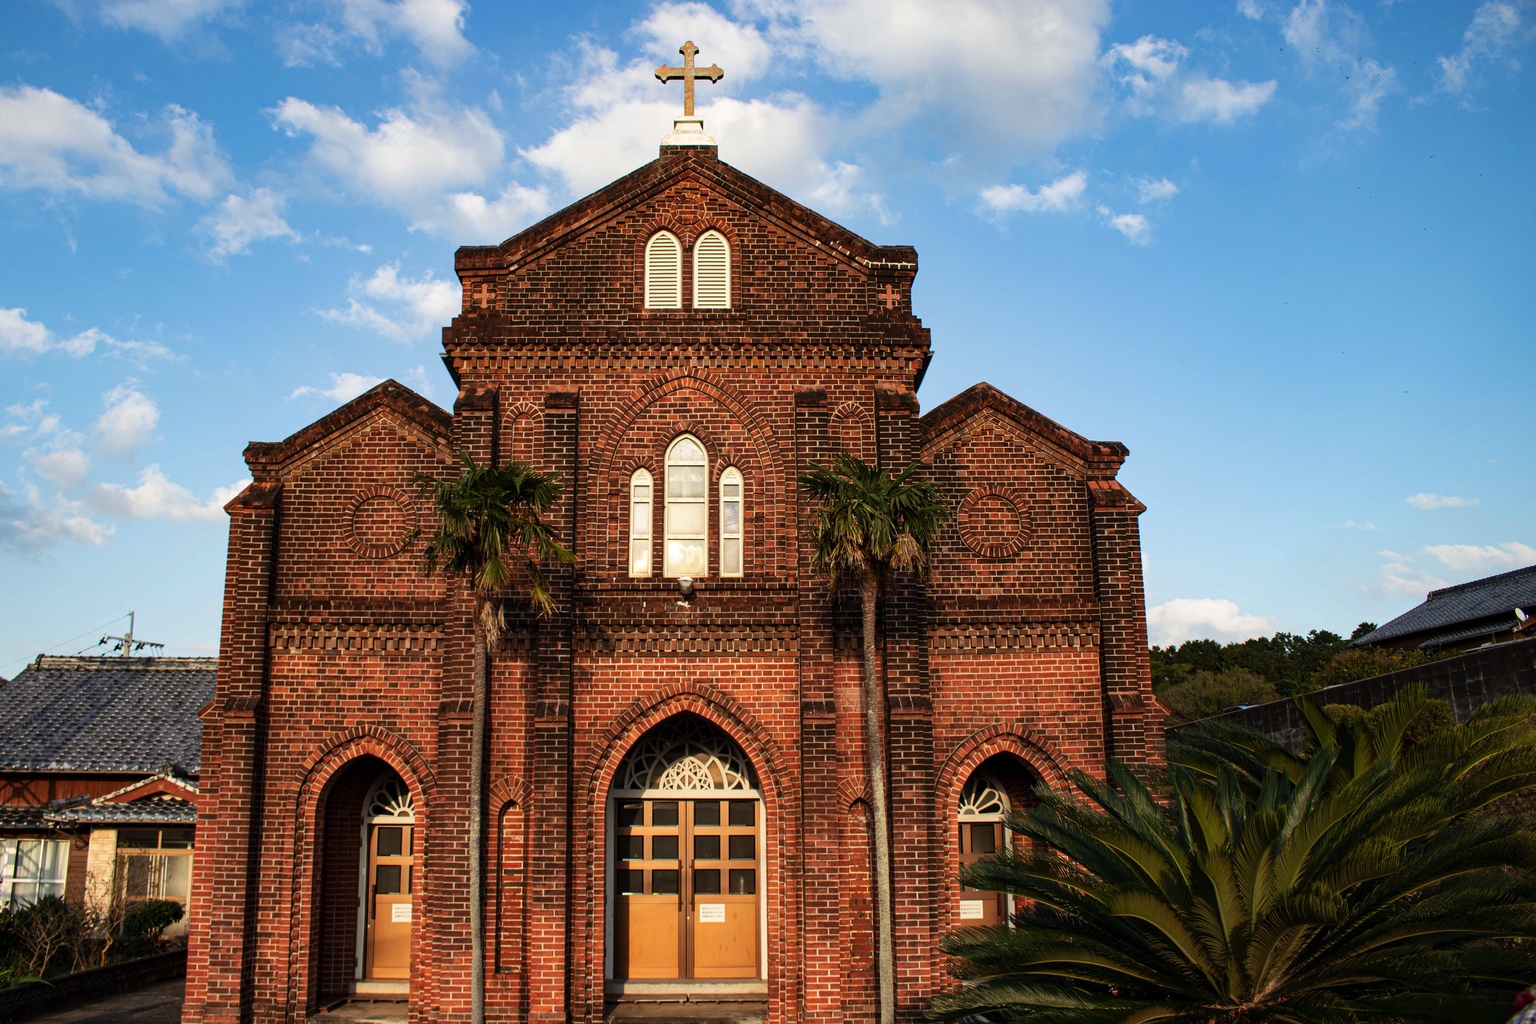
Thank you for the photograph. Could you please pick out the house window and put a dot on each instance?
(663, 272)
(155, 863)
(711, 272)
(31, 869)
(687, 518)
(730, 522)
(640, 523)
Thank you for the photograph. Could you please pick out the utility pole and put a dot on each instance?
(126, 644)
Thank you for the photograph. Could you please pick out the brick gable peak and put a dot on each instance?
(264, 457)
(1095, 459)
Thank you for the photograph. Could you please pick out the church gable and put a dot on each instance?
(588, 262)
(1020, 486)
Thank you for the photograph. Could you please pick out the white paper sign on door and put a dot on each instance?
(973, 910)
(399, 912)
(714, 912)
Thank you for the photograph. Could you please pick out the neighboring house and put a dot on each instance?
(99, 760)
(1468, 615)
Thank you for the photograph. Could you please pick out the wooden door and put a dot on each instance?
(389, 903)
(686, 878)
(980, 839)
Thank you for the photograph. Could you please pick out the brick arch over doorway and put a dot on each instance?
(327, 824)
(781, 838)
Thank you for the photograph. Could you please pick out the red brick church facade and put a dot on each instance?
(335, 751)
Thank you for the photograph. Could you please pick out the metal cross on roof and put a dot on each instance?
(688, 73)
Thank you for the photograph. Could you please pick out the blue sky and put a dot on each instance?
(1282, 250)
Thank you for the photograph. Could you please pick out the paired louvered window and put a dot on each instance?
(711, 272)
(663, 272)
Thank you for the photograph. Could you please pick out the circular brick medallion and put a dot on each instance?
(994, 522)
(380, 522)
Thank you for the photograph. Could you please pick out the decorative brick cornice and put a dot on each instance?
(1012, 635)
(669, 639)
(360, 638)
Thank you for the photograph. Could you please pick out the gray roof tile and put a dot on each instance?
(1462, 606)
(105, 714)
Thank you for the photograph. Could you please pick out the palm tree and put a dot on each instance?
(489, 520)
(870, 524)
(1355, 883)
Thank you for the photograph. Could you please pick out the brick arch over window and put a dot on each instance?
(324, 763)
(781, 835)
(613, 466)
(525, 433)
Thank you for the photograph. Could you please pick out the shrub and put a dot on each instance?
(1207, 693)
(147, 919)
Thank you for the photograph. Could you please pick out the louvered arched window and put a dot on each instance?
(687, 518)
(640, 523)
(731, 501)
(711, 272)
(663, 272)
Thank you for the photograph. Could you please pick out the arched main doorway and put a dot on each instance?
(365, 884)
(686, 869)
(998, 785)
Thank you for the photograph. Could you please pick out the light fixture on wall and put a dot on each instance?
(685, 588)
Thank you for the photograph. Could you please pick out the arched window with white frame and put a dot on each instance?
(640, 498)
(663, 272)
(711, 272)
(731, 509)
(687, 517)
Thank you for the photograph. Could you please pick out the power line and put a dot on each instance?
(65, 643)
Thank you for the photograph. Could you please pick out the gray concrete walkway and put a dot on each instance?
(153, 1004)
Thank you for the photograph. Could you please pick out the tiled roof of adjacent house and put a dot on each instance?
(1465, 610)
(105, 714)
(139, 812)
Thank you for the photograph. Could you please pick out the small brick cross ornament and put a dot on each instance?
(890, 297)
(688, 73)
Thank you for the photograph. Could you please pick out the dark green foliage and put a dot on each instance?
(1287, 660)
(1361, 630)
(1209, 693)
(1347, 666)
(1359, 883)
(147, 919)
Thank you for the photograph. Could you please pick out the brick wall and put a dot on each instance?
(1022, 647)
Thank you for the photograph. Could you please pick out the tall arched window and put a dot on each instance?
(687, 519)
(711, 272)
(663, 272)
(983, 802)
(640, 523)
(731, 500)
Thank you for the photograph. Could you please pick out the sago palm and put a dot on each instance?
(1352, 884)
(489, 521)
(869, 524)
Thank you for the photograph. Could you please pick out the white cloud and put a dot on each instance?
(1151, 70)
(65, 468)
(1064, 193)
(156, 497)
(434, 27)
(1493, 33)
(240, 220)
(30, 525)
(1352, 525)
(51, 143)
(1398, 575)
(1250, 9)
(1134, 226)
(167, 19)
(1221, 101)
(1187, 618)
(1472, 558)
(957, 65)
(425, 162)
(417, 308)
(344, 387)
(20, 336)
(1328, 38)
(1425, 500)
(1148, 191)
(128, 422)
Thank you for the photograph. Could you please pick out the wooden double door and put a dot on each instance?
(686, 878)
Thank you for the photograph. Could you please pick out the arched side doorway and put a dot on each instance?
(998, 785)
(365, 883)
(685, 821)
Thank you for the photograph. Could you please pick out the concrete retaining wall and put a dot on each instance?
(39, 997)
